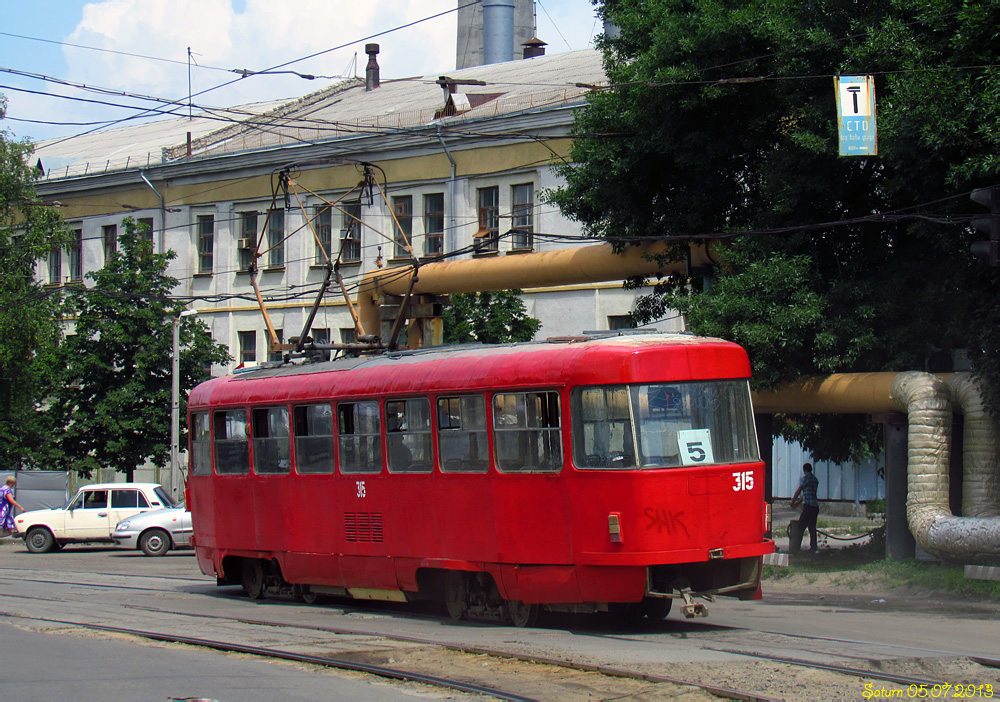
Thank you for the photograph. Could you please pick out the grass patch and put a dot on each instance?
(916, 576)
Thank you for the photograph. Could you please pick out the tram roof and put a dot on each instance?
(552, 363)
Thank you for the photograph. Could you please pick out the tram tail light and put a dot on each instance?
(767, 519)
(615, 527)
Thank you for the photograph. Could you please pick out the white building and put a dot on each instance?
(462, 160)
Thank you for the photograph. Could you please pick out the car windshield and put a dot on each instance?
(165, 498)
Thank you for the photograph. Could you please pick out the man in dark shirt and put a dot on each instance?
(808, 485)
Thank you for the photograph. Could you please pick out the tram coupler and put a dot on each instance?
(691, 609)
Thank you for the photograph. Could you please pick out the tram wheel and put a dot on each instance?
(522, 614)
(155, 542)
(455, 595)
(305, 593)
(653, 608)
(253, 578)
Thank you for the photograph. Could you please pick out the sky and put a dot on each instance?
(140, 47)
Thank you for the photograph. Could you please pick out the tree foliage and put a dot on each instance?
(488, 317)
(29, 324)
(721, 120)
(115, 398)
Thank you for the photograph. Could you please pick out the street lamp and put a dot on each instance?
(175, 401)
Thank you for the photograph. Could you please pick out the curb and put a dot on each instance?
(781, 560)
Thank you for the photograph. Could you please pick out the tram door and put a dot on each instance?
(530, 495)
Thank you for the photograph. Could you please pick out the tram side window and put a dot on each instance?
(272, 450)
(462, 434)
(526, 432)
(232, 451)
(201, 445)
(359, 434)
(313, 438)
(602, 428)
(408, 435)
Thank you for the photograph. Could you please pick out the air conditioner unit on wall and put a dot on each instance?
(247, 244)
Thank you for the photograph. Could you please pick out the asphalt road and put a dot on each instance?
(43, 659)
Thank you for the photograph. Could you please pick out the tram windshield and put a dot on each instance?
(663, 425)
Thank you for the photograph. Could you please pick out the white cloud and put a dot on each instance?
(262, 35)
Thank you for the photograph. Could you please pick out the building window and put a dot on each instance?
(320, 336)
(146, 229)
(402, 227)
(323, 225)
(350, 233)
(206, 242)
(110, 232)
(434, 224)
(55, 266)
(523, 211)
(348, 335)
(248, 239)
(276, 238)
(487, 238)
(276, 355)
(76, 256)
(248, 347)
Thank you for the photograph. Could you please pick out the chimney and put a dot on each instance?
(498, 31)
(534, 47)
(371, 71)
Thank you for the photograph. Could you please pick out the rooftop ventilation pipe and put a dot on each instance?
(371, 71)
(498, 31)
(534, 47)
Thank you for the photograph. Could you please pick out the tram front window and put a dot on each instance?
(663, 425)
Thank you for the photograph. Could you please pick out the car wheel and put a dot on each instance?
(155, 542)
(253, 578)
(39, 540)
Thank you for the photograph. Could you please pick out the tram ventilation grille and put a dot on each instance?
(363, 526)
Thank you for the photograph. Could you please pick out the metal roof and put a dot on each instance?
(344, 109)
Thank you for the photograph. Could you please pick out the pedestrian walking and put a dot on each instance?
(7, 505)
(808, 485)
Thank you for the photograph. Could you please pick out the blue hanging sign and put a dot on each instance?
(856, 115)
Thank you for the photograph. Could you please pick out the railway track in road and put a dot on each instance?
(522, 668)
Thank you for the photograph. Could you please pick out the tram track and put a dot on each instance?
(368, 646)
(397, 673)
(862, 673)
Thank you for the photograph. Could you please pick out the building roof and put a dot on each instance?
(345, 109)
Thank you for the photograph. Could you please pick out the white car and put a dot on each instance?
(155, 532)
(90, 515)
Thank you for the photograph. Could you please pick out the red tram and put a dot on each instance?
(578, 475)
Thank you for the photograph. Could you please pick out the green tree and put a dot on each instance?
(720, 120)
(114, 402)
(29, 313)
(497, 317)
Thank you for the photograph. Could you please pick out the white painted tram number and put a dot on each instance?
(361, 488)
(744, 481)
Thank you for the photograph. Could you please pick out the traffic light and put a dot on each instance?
(989, 223)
